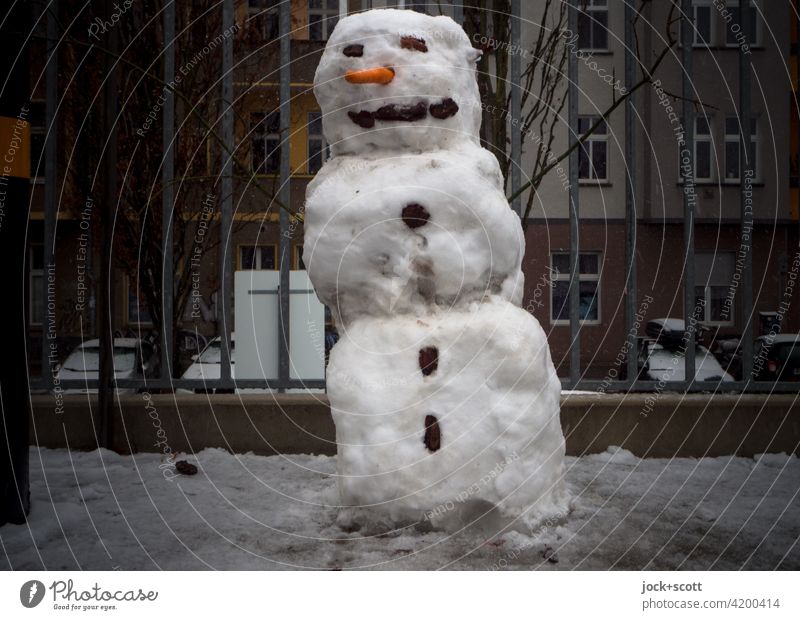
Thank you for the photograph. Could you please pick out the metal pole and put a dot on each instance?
(516, 106)
(630, 197)
(746, 177)
(689, 196)
(107, 310)
(167, 194)
(342, 8)
(284, 195)
(225, 231)
(574, 207)
(458, 12)
(50, 170)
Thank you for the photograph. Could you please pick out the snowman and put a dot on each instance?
(444, 396)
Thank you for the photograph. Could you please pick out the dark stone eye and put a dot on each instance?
(413, 43)
(354, 51)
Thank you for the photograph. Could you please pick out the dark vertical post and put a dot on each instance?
(458, 12)
(631, 297)
(574, 206)
(225, 227)
(50, 173)
(106, 302)
(746, 177)
(689, 192)
(285, 194)
(14, 192)
(516, 105)
(168, 193)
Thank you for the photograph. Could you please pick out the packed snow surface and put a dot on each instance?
(494, 394)
(99, 510)
(364, 259)
(433, 61)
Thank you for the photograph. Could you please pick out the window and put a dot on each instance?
(36, 284)
(593, 25)
(732, 148)
(322, 18)
(702, 13)
(589, 288)
(298, 258)
(257, 257)
(712, 291)
(138, 311)
(703, 151)
(593, 153)
(36, 117)
(734, 37)
(265, 142)
(264, 17)
(317, 149)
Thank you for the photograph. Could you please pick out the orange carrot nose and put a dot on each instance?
(376, 75)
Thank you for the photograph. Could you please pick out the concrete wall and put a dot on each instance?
(673, 425)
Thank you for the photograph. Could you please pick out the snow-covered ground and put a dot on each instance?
(99, 510)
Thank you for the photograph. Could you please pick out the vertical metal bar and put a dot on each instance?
(284, 195)
(401, 4)
(226, 203)
(516, 105)
(342, 8)
(458, 12)
(746, 177)
(689, 196)
(106, 302)
(630, 196)
(168, 193)
(574, 206)
(50, 171)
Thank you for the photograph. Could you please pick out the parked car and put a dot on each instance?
(206, 364)
(661, 356)
(777, 358)
(133, 359)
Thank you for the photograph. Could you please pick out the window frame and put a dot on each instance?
(758, 25)
(589, 8)
(708, 285)
(325, 14)
(557, 276)
(755, 140)
(712, 24)
(588, 147)
(257, 255)
(259, 132)
(267, 16)
(712, 156)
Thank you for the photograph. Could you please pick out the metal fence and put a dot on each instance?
(575, 380)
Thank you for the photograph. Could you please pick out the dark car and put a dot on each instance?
(777, 358)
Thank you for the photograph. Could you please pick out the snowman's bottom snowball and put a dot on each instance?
(492, 394)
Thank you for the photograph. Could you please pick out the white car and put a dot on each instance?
(206, 364)
(133, 359)
(658, 363)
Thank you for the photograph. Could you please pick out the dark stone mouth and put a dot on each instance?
(404, 113)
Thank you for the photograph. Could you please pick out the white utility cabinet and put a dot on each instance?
(256, 321)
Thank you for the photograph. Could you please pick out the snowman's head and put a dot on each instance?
(398, 80)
